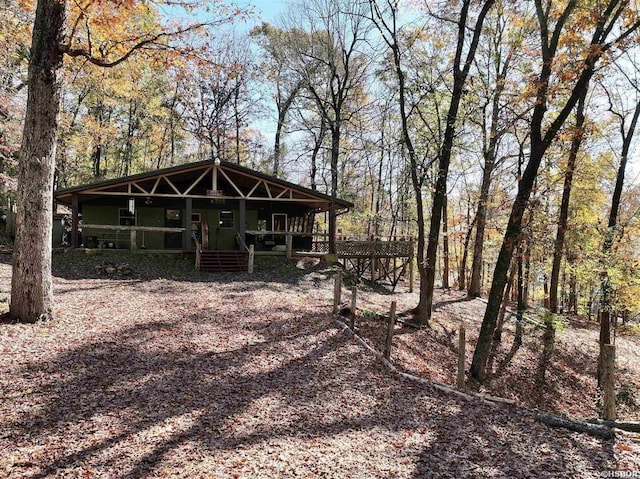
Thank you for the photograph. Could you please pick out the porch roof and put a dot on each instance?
(204, 179)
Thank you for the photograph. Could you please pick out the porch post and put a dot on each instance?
(186, 238)
(242, 219)
(74, 220)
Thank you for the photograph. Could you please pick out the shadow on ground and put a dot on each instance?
(125, 404)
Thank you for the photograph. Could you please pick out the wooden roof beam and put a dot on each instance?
(172, 195)
(168, 181)
(193, 185)
(133, 183)
(254, 188)
(231, 183)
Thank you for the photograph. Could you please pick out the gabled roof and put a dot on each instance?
(203, 179)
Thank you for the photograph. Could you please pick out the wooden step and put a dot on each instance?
(223, 260)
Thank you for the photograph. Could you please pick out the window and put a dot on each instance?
(196, 217)
(279, 222)
(226, 220)
(173, 215)
(126, 217)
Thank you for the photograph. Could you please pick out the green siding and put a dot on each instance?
(252, 219)
(146, 216)
(223, 238)
(103, 215)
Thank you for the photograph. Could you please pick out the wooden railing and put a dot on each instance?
(249, 249)
(367, 249)
(198, 251)
(132, 230)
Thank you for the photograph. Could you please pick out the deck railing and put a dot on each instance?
(368, 248)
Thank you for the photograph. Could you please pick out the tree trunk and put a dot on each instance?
(335, 153)
(483, 345)
(96, 160)
(460, 73)
(445, 245)
(497, 335)
(475, 284)
(420, 312)
(316, 150)
(379, 190)
(605, 284)
(31, 285)
(237, 122)
(558, 246)
(462, 275)
(573, 293)
(522, 305)
(276, 145)
(539, 143)
(283, 109)
(548, 342)
(427, 263)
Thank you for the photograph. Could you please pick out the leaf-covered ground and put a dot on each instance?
(569, 387)
(168, 373)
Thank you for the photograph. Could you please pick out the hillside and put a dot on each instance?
(168, 373)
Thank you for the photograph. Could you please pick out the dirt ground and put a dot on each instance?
(170, 373)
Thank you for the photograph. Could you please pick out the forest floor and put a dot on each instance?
(166, 372)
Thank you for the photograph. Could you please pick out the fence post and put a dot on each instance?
(289, 247)
(462, 344)
(252, 255)
(354, 295)
(337, 291)
(608, 382)
(386, 353)
(133, 240)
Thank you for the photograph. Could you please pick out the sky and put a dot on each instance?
(267, 10)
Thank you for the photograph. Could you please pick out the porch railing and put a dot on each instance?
(249, 249)
(132, 230)
(349, 248)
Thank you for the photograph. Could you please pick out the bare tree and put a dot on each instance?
(331, 59)
(278, 45)
(385, 16)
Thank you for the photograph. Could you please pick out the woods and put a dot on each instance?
(500, 135)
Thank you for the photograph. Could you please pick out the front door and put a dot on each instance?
(173, 219)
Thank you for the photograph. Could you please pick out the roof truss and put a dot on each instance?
(242, 186)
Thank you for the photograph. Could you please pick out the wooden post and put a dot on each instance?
(289, 246)
(390, 325)
(242, 219)
(373, 258)
(75, 218)
(133, 240)
(354, 296)
(186, 236)
(462, 345)
(411, 275)
(608, 382)
(337, 291)
(252, 255)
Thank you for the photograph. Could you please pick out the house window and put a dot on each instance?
(126, 217)
(226, 220)
(173, 215)
(279, 222)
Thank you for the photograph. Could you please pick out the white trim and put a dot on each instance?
(193, 185)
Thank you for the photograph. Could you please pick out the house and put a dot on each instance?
(212, 205)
